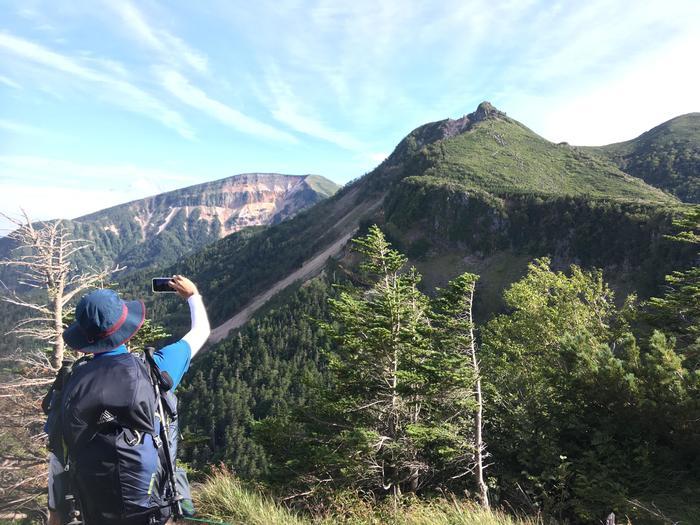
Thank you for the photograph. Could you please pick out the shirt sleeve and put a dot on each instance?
(174, 359)
(199, 333)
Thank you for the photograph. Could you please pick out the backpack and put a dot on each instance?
(105, 426)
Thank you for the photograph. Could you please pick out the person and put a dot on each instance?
(111, 384)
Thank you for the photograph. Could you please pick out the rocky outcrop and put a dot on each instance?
(251, 199)
(443, 129)
(162, 228)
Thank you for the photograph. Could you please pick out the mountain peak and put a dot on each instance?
(445, 129)
(484, 111)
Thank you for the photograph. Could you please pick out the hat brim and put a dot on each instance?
(78, 340)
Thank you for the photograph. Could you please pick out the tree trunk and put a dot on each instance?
(478, 421)
(58, 345)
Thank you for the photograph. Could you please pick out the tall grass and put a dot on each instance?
(224, 498)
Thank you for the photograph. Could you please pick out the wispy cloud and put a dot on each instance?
(170, 47)
(286, 109)
(180, 87)
(9, 82)
(44, 186)
(21, 128)
(115, 89)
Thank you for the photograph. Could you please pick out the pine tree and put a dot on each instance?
(677, 312)
(397, 411)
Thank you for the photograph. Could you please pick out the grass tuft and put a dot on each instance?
(224, 498)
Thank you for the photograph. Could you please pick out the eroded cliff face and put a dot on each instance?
(160, 229)
(228, 205)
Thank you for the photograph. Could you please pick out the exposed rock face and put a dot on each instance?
(250, 199)
(162, 228)
(443, 129)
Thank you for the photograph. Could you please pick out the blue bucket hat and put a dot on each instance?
(103, 322)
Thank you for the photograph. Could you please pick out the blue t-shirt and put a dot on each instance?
(173, 359)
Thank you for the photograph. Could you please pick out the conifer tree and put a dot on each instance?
(454, 326)
(397, 412)
(677, 312)
(381, 336)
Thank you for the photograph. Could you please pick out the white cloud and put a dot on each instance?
(628, 103)
(286, 109)
(191, 95)
(116, 90)
(20, 128)
(9, 82)
(289, 115)
(170, 47)
(49, 188)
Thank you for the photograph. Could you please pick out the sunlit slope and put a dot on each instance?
(157, 230)
(500, 156)
(467, 189)
(667, 156)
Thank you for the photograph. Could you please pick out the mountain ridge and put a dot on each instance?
(667, 156)
(234, 189)
(161, 228)
(463, 195)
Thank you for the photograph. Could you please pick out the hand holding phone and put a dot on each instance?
(162, 285)
(177, 284)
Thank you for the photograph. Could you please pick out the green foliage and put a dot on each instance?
(580, 417)
(393, 414)
(583, 411)
(677, 312)
(502, 157)
(149, 334)
(224, 497)
(667, 156)
(255, 373)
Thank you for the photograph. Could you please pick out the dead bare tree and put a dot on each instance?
(478, 415)
(44, 262)
(46, 281)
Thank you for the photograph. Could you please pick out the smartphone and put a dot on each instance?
(160, 284)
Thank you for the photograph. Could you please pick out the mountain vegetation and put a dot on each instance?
(224, 497)
(667, 156)
(571, 358)
(587, 404)
(452, 210)
(357, 383)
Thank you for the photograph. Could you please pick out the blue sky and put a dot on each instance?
(106, 101)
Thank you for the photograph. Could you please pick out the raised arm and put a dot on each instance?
(199, 332)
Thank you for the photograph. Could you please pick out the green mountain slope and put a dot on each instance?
(477, 193)
(667, 156)
(502, 157)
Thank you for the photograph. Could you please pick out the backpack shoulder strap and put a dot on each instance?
(62, 376)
